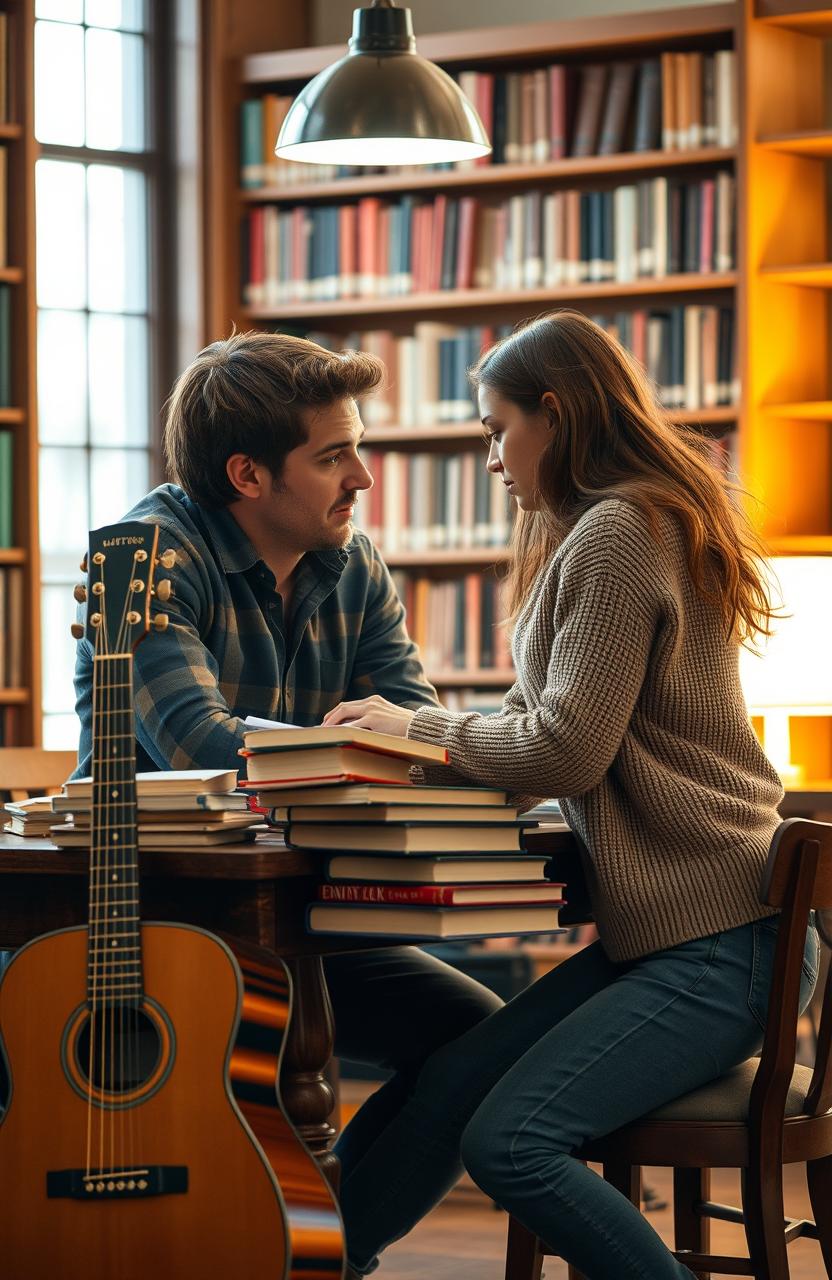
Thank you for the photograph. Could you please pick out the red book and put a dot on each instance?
(437, 243)
(443, 895)
(485, 109)
(368, 210)
(346, 250)
(467, 238)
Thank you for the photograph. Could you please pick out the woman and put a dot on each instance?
(634, 581)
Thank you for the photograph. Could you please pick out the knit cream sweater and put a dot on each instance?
(628, 708)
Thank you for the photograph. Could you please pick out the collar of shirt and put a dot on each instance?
(237, 553)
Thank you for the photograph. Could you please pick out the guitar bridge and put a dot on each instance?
(117, 1184)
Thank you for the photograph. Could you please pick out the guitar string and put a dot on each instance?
(121, 868)
(130, 814)
(92, 961)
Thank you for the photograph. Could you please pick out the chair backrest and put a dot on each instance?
(31, 771)
(797, 878)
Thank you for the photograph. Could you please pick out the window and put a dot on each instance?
(95, 191)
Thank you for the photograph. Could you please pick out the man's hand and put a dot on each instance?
(372, 713)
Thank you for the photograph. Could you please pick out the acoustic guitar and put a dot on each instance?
(144, 1138)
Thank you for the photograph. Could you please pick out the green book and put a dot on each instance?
(6, 486)
(251, 142)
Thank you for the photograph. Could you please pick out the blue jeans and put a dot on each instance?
(587, 1048)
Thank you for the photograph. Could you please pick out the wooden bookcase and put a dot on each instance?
(778, 290)
(18, 138)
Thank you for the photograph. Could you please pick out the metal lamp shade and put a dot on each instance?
(382, 106)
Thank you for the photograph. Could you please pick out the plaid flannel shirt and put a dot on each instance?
(227, 654)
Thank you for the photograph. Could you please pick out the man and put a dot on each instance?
(280, 609)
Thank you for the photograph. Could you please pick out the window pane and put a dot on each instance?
(127, 14)
(57, 615)
(61, 240)
(119, 411)
(117, 239)
(62, 377)
(59, 83)
(62, 10)
(119, 479)
(64, 513)
(115, 91)
(61, 733)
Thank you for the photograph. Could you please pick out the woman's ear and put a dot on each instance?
(550, 406)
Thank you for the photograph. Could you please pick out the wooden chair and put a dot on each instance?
(765, 1113)
(31, 771)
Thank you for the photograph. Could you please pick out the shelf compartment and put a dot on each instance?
(808, 544)
(816, 275)
(467, 299)
(446, 556)
(811, 410)
(489, 175)
(809, 22)
(812, 142)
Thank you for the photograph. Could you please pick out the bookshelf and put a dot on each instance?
(20, 700)
(776, 286)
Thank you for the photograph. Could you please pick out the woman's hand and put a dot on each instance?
(372, 713)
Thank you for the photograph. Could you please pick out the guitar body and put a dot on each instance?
(230, 1192)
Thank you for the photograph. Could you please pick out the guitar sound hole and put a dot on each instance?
(126, 1049)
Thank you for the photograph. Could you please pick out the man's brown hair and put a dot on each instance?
(247, 394)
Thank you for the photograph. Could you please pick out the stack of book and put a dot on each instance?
(398, 859)
(183, 809)
(32, 817)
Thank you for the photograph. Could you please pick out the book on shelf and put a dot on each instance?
(5, 95)
(438, 869)
(431, 922)
(408, 837)
(6, 483)
(524, 241)
(368, 793)
(4, 208)
(5, 346)
(156, 824)
(223, 806)
(442, 895)
(12, 625)
(179, 782)
(401, 811)
(32, 817)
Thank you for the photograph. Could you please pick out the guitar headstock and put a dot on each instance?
(120, 567)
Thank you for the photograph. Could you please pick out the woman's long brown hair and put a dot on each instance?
(611, 438)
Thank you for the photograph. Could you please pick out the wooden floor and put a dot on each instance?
(464, 1239)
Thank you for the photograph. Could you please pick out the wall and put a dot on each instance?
(332, 19)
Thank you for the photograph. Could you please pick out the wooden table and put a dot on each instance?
(257, 893)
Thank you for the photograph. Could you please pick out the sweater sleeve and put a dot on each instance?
(605, 615)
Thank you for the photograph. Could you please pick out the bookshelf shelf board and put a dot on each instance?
(807, 544)
(447, 555)
(809, 22)
(816, 275)
(476, 679)
(812, 142)
(14, 697)
(498, 175)
(814, 410)
(463, 299)
(8, 416)
(532, 42)
(473, 430)
(11, 275)
(12, 555)
(10, 131)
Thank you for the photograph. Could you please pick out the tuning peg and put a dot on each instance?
(77, 631)
(160, 621)
(80, 593)
(162, 589)
(84, 563)
(167, 559)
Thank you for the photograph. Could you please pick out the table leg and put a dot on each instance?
(307, 1096)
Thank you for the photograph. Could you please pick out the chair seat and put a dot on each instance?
(727, 1097)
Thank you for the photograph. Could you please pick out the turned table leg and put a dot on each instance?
(307, 1096)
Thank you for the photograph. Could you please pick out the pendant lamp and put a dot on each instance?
(382, 104)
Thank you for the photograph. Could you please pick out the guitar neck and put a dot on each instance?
(114, 972)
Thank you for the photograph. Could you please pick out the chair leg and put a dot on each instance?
(524, 1257)
(819, 1177)
(690, 1229)
(626, 1178)
(762, 1202)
